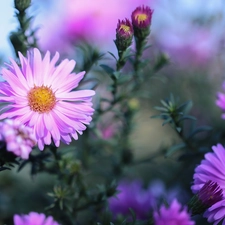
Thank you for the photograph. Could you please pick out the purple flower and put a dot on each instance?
(212, 168)
(34, 218)
(132, 195)
(19, 139)
(40, 94)
(175, 214)
(221, 101)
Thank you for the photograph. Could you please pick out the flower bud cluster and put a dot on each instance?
(139, 27)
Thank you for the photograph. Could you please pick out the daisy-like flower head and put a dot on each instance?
(175, 214)
(19, 139)
(34, 218)
(141, 20)
(40, 95)
(212, 168)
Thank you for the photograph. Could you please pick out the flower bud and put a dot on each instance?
(141, 20)
(124, 35)
(22, 5)
(208, 195)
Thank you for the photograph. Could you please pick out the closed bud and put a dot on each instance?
(141, 20)
(124, 35)
(208, 195)
(22, 5)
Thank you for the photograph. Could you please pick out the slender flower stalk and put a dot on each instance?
(41, 95)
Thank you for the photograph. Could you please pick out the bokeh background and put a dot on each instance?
(190, 33)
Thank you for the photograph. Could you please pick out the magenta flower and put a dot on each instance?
(41, 95)
(212, 168)
(132, 195)
(19, 139)
(34, 218)
(175, 214)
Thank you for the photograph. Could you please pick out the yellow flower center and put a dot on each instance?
(141, 17)
(125, 28)
(41, 99)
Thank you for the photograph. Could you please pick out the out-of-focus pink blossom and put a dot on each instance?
(34, 218)
(93, 21)
(19, 139)
(189, 31)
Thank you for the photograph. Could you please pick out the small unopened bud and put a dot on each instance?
(124, 35)
(22, 5)
(208, 195)
(141, 20)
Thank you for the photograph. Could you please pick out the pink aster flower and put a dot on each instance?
(40, 95)
(19, 138)
(34, 218)
(212, 168)
(175, 214)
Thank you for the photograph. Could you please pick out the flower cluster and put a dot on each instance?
(139, 27)
(19, 138)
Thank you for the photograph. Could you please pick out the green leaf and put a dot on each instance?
(175, 148)
(185, 107)
(186, 117)
(107, 69)
(112, 55)
(167, 121)
(159, 108)
(116, 74)
(199, 130)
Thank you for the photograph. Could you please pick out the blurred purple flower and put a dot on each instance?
(132, 195)
(190, 32)
(212, 168)
(19, 138)
(220, 102)
(175, 214)
(34, 218)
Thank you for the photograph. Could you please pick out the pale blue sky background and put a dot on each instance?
(8, 23)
